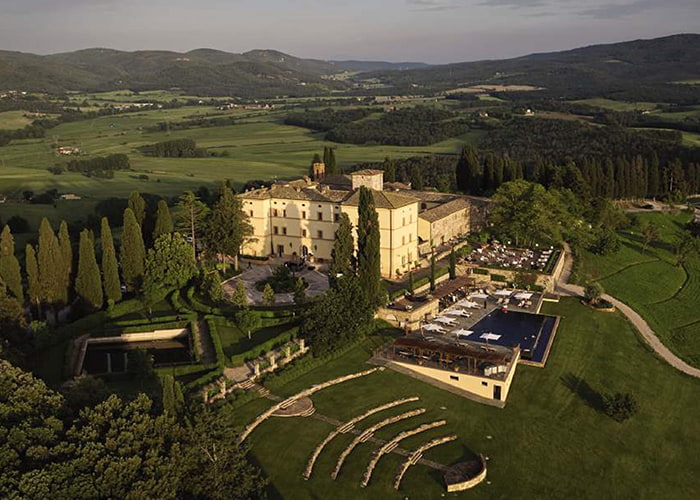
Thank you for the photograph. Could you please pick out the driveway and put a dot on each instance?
(318, 284)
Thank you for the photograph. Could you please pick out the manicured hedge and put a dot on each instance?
(499, 278)
(478, 270)
(259, 350)
(216, 339)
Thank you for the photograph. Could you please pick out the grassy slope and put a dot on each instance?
(260, 147)
(547, 443)
(664, 294)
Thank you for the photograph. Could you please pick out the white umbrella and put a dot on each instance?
(523, 296)
(433, 328)
(504, 293)
(490, 336)
(479, 296)
(462, 331)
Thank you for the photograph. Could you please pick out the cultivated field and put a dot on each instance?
(550, 429)
(259, 146)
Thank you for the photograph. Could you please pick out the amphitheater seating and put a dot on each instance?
(415, 457)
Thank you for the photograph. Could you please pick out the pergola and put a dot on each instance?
(458, 358)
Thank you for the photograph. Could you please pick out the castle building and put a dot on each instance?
(299, 218)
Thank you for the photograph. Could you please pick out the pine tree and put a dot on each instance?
(164, 222)
(66, 250)
(110, 271)
(132, 252)
(268, 295)
(10, 273)
(191, 215)
(33, 284)
(51, 277)
(87, 282)
(343, 249)
(239, 297)
(138, 206)
(227, 228)
(368, 256)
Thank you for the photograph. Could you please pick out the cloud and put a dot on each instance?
(434, 5)
(619, 10)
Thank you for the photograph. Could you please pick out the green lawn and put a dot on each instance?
(618, 105)
(547, 443)
(665, 294)
(235, 341)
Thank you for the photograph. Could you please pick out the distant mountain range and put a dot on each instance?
(594, 69)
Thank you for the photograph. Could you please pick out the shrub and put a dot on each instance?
(498, 277)
(619, 406)
(478, 270)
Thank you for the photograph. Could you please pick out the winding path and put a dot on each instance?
(566, 288)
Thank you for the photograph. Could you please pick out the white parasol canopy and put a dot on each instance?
(504, 293)
(462, 331)
(479, 296)
(523, 296)
(490, 336)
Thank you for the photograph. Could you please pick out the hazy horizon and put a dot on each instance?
(431, 31)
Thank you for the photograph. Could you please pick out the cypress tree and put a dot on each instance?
(343, 249)
(51, 277)
(87, 282)
(368, 253)
(453, 264)
(110, 271)
(66, 250)
(330, 164)
(138, 206)
(33, 286)
(416, 178)
(9, 265)
(432, 272)
(467, 171)
(164, 222)
(389, 170)
(411, 285)
(132, 252)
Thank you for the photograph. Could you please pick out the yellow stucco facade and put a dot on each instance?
(300, 218)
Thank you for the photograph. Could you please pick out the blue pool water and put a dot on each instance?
(533, 332)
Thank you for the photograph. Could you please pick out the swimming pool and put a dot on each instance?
(532, 332)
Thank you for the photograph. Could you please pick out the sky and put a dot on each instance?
(433, 31)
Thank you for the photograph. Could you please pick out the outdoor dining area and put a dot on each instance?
(503, 256)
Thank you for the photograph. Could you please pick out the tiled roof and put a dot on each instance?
(444, 210)
(290, 192)
(367, 171)
(383, 199)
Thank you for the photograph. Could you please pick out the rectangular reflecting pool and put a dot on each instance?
(112, 357)
(534, 333)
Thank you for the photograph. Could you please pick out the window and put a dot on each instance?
(320, 216)
(403, 221)
(303, 215)
(284, 230)
(403, 260)
(403, 240)
(274, 212)
(284, 213)
(423, 206)
(251, 213)
(320, 235)
(485, 384)
(303, 233)
(276, 230)
(410, 219)
(454, 377)
(410, 237)
(320, 206)
(336, 217)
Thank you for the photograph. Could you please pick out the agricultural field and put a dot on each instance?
(551, 422)
(649, 280)
(10, 120)
(601, 102)
(258, 145)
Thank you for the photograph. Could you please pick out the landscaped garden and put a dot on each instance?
(554, 417)
(651, 282)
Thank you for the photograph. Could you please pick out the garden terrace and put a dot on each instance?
(417, 455)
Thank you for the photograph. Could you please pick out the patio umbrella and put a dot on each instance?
(458, 312)
(490, 336)
(462, 331)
